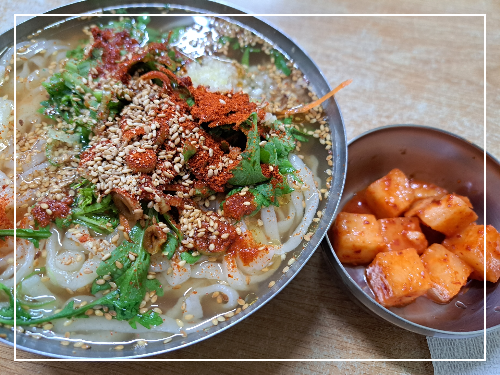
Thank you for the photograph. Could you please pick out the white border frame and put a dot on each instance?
(248, 360)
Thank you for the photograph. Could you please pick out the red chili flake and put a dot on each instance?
(5, 220)
(111, 43)
(219, 109)
(142, 161)
(132, 133)
(246, 248)
(221, 245)
(235, 208)
(59, 209)
(150, 53)
(201, 160)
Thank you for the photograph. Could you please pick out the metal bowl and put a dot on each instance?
(446, 160)
(52, 348)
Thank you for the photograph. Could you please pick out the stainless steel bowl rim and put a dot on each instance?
(339, 170)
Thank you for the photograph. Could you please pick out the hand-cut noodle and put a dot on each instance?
(24, 264)
(193, 303)
(35, 157)
(268, 216)
(76, 279)
(260, 261)
(179, 274)
(286, 215)
(231, 273)
(207, 270)
(159, 263)
(238, 280)
(312, 201)
(35, 288)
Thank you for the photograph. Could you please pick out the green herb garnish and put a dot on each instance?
(32, 235)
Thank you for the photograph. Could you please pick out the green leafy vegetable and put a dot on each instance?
(174, 238)
(148, 320)
(170, 246)
(190, 258)
(102, 217)
(226, 39)
(131, 286)
(245, 60)
(176, 34)
(268, 194)
(173, 227)
(248, 170)
(32, 235)
(280, 62)
(77, 53)
(120, 255)
(7, 312)
(188, 151)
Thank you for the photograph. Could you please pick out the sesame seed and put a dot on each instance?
(271, 284)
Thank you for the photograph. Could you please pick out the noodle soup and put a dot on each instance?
(164, 177)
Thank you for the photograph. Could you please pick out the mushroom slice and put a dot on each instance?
(161, 129)
(154, 238)
(127, 204)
